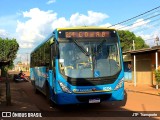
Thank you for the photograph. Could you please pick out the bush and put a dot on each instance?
(157, 76)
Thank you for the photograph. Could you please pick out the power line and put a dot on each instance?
(149, 23)
(139, 21)
(134, 17)
(144, 28)
(144, 17)
(149, 15)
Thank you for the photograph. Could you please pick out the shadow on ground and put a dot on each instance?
(27, 98)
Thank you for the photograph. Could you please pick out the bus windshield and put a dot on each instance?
(89, 58)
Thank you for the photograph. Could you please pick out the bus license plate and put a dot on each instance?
(94, 100)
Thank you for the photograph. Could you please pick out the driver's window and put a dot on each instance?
(113, 52)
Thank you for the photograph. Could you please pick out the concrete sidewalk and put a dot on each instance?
(145, 89)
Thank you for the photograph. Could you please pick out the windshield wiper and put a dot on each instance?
(80, 47)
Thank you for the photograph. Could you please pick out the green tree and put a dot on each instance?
(8, 48)
(140, 43)
(127, 37)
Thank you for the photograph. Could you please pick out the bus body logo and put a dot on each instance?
(107, 88)
(96, 73)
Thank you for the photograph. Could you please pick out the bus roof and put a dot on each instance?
(85, 28)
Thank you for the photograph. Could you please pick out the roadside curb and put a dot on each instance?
(149, 93)
(140, 88)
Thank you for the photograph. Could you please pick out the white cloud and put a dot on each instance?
(26, 45)
(93, 18)
(60, 22)
(156, 33)
(77, 19)
(140, 23)
(3, 33)
(41, 23)
(145, 36)
(38, 25)
(150, 37)
(106, 25)
(51, 1)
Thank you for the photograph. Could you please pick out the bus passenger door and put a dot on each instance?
(52, 67)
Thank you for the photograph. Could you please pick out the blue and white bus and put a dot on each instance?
(79, 65)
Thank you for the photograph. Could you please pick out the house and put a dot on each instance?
(22, 66)
(142, 63)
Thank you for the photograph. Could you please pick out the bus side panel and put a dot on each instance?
(34, 76)
(39, 77)
(42, 77)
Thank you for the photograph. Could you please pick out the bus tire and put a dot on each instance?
(47, 94)
(124, 101)
(50, 102)
(36, 90)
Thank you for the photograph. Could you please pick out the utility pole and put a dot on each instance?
(27, 62)
(27, 58)
(135, 77)
(157, 40)
(133, 45)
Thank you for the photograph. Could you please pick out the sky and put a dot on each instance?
(31, 21)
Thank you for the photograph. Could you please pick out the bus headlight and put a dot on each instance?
(120, 84)
(64, 87)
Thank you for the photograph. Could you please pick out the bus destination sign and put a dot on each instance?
(87, 34)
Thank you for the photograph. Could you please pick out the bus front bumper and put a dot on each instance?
(65, 98)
